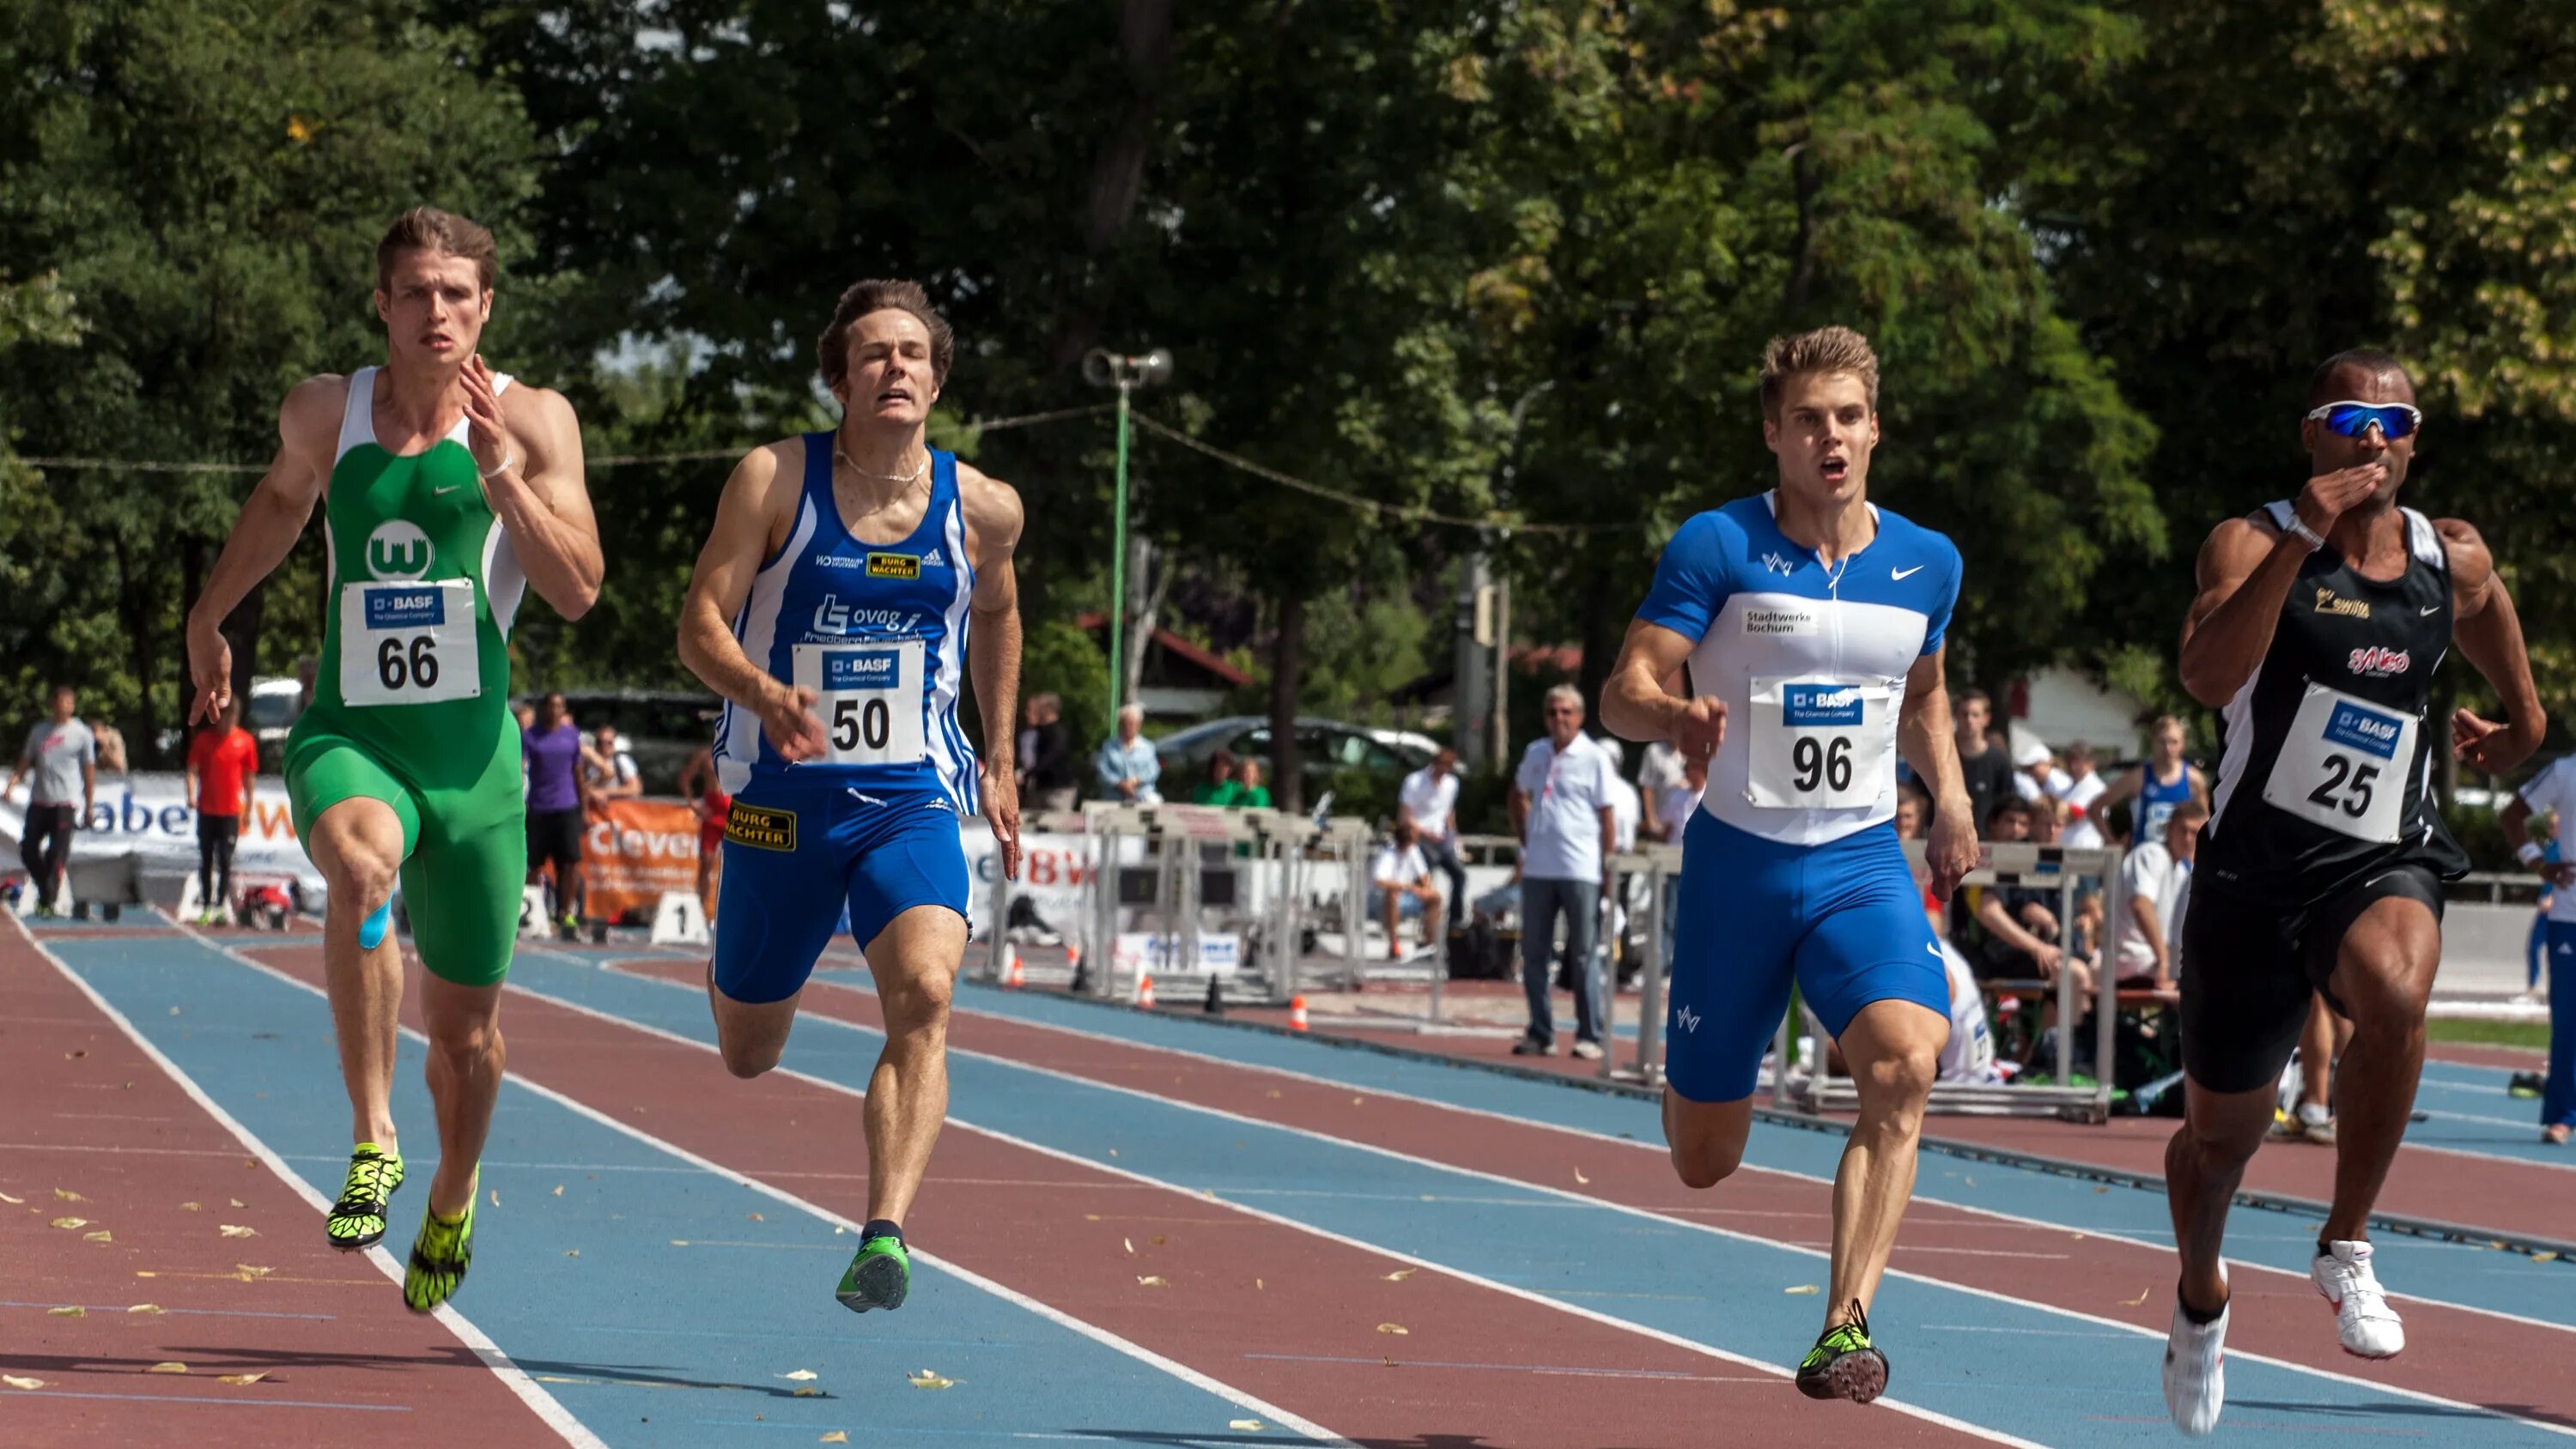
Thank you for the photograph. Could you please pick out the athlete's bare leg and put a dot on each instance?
(1706, 1138)
(2384, 976)
(358, 847)
(1894, 1048)
(465, 1059)
(2203, 1165)
(915, 960)
(750, 1035)
(2317, 1053)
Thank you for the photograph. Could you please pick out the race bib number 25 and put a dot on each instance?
(2344, 766)
(408, 643)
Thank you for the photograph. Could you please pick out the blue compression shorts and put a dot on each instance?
(796, 853)
(1844, 919)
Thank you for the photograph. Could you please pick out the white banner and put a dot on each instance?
(145, 817)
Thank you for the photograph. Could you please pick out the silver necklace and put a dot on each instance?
(912, 477)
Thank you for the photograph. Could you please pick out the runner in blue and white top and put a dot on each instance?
(831, 608)
(1812, 624)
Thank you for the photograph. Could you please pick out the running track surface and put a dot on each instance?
(1139, 1229)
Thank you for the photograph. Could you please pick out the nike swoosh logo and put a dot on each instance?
(2428, 613)
(1904, 573)
(443, 492)
(1932, 950)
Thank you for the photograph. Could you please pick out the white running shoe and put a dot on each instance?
(2368, 1327)
(2196, 1371)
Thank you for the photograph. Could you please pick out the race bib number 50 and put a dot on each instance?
(2344, 766)
(1819, 744)
(408, 643)
(870, 699)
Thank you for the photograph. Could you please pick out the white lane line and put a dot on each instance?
(543, 1404)
(2137, 1330)
(1611, 1139)
(1379, 1250)
(1013, 1296)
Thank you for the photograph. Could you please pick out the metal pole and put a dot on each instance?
(1118, 569)
(1650, 995)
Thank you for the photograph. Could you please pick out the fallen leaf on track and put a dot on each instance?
(1398, 1329)
(1802, 1290)
(232, 1230)
(236, 1202)
(1131, 1246)
(809, 1393)
(496, 1197)
(12, 1201)
(755, 1217)
(572, 1252)
(68, 1310)
(167, 1368)
(240, 1378)
(837, 1436)
(1274, 1091)
(802, 1376)
(147, 1308)
(558, 1189)
(248, 1271)
(1153, 1280)
(2141, 1298)
(2544, 1257)
(926, 1379)
(15, 1382)
(67, 1195)
(101, 1236)
(1248, 1426)
(192, 1207)
(70, 1223)
(1157, 1240)
(1257, 1284)
(1400, 1274)
(1579, 1177)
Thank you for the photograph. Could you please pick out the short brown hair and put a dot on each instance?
(440, 233)
(1826, 350)
(832, 349)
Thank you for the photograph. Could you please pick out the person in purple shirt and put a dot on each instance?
(550, 747)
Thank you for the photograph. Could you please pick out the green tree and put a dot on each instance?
(209, 178)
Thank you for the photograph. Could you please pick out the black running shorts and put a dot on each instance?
(554, 835)
(2249, 966)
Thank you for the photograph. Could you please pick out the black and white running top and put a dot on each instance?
(2325, 778)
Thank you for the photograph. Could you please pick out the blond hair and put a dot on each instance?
(1825, 350)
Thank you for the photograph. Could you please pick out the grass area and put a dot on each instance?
(2533, 1034)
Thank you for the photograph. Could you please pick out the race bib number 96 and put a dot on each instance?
(408, 643)
(1819, 745)
(2344, 766)
(870, 699)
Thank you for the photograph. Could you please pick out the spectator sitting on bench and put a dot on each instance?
(1400, 887)
(2155, 877)
(2016, 934)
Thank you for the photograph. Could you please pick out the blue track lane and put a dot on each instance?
(648, 1343)
(2065, 1381)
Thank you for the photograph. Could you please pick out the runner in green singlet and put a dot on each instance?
(447, 494)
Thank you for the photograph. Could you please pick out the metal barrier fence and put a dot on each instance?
(1821, 1091)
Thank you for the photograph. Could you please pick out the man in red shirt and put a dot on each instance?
(222, 761)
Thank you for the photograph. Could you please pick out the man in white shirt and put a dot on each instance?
(2553, 792)
(1428, 801)
(1400, 885)
(608, 769)
(1561, 806)
(2153, 879)
(2081, 788)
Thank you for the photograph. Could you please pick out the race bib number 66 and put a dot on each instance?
(408, 643)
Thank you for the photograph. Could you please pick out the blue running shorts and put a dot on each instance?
(1845, 919)
(795, 853)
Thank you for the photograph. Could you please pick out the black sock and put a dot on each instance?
(881, 1228)
(2325, 1248)
(2198, 1318)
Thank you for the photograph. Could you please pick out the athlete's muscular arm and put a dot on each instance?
(1930, 740)
(993, 519)
(2490, 635)
(541, 497)
(751, 520)
(2245, 573)
(272, 518)
(1635, 705)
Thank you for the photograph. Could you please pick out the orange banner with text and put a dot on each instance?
(632, 851)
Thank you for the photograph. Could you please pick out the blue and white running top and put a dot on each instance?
(1809, 660)
(877, 631)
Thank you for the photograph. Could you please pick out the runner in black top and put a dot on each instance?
(2318, 627)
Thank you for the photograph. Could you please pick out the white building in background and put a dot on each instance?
(2058, 706)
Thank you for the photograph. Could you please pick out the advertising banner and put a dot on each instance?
(634, 850)
(145, 817)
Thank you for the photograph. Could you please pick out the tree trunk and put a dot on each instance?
(1118, 167)
(1602, 630)
(1142, 558)
(1287, 661)
(242, 631)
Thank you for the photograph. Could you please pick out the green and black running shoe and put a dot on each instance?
(439, 1258)
(1843, 1365)
(358, 1219)
(878, 1277)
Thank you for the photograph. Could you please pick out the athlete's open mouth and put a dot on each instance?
(1835, 470)
(895, 394)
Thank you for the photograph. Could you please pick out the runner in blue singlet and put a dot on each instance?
(2155, 785)
(1812, 622)
(832, 609)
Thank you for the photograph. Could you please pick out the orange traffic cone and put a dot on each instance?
(1145, 989)
(1073, 955)
(1296, 1013)
(1013, 976)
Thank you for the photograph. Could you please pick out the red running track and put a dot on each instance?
(342, 1360)
(1056, 1229)
(2454, 1353)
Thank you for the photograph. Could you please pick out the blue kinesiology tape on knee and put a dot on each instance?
(371, 931)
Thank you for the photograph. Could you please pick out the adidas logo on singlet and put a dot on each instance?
(932, 560)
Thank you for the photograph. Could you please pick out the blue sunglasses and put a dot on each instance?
(2352, 419)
